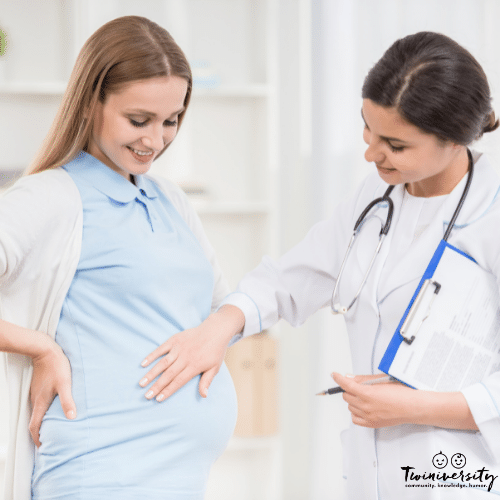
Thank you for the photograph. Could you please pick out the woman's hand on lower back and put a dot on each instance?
(51, 377)
(191, 352)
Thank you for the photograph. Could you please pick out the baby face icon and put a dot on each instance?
(458, 460)
(440, 460)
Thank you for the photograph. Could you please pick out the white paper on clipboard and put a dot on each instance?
(457, 330)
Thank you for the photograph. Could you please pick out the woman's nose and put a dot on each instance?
(154, 139)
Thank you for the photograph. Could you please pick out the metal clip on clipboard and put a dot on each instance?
(414, 308)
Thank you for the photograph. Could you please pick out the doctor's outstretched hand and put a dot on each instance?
(191, 352)
(393, 403)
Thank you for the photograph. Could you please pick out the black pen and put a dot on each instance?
(372, 381)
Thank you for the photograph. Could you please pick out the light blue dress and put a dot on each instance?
(142, 277)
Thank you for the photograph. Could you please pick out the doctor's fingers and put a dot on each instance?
(163, 364)
(173, 378)
(206, 380)
(161, 350)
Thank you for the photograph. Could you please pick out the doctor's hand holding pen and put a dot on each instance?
(391, 403)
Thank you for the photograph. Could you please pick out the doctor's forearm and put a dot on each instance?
(448, 410)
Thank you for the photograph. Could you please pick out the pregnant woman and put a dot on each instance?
(100, 264)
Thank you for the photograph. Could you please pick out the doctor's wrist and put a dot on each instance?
(228, 321)
(448, 410)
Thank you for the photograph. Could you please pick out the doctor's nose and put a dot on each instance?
(373, 153)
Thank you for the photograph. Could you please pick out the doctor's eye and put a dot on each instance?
(396, 149)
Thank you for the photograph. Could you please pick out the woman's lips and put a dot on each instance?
(142, 158)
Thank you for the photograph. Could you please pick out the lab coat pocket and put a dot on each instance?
(345, 442)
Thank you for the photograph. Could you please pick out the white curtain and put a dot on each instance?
(348, 37)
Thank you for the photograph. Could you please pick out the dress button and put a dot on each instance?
(374, 464)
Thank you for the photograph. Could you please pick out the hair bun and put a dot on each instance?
(492, 123)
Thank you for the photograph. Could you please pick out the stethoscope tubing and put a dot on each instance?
(337, 308)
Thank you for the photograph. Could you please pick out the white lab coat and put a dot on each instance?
(302, 281)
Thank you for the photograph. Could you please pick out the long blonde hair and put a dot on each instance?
(121, 51)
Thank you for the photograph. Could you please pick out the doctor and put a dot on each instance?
(424, 102)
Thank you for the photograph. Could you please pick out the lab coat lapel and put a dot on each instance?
(412, 266)
(483, 192)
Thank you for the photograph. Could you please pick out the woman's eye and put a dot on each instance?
(135, 123)
(170, 123)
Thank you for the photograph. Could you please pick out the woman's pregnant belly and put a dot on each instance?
(122, 440)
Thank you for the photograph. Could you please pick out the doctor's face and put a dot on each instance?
(403, 153)
(133, 126)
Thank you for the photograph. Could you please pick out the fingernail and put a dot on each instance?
(71, 414)
(144, 363)
(350, 375)
(205, 393)
(161, 397)
(149, 394)
(143, 382)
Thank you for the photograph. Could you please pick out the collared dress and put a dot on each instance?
(302, 281)
(142, 276)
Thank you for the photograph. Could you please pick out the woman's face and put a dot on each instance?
(133, 126)
(405, 154)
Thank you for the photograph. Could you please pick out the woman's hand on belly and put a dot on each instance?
(51, 377)
(191, 352)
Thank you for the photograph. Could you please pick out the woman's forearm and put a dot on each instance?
(19, 340)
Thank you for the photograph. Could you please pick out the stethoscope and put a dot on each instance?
(386, 199)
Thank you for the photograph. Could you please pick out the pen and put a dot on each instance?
(373, 381)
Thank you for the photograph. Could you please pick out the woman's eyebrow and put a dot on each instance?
(385, 138)
(151, 114)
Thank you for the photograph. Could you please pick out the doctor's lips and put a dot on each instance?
(384, 169)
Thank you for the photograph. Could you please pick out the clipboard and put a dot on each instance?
(449, 335)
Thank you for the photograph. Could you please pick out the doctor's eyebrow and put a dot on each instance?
(383, 137)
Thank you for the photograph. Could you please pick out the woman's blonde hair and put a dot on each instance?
(121, 51)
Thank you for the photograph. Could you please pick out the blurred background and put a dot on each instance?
(271, 143)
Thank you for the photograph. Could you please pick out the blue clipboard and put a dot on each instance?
(399, 336)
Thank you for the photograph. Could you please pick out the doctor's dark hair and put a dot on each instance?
(124, 50)
(436, 85)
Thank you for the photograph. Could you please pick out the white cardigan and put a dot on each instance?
(41, 227)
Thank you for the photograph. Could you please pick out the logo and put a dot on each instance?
(3, 42)
(440, 461)
(455, 477)
(458, 461)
